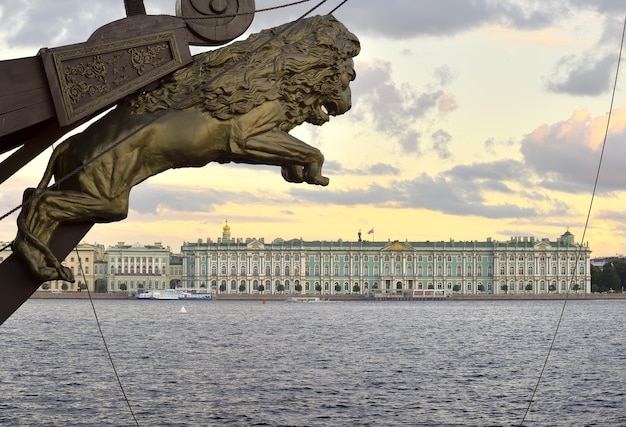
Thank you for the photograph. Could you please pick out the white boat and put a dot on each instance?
(174, 294)
(304, 299)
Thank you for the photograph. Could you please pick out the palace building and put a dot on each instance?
(519, 265)
(133, 267)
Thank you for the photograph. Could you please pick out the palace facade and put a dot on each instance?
(133, 267)
(519, 265)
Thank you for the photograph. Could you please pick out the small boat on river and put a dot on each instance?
(305, 299)
(174, 294)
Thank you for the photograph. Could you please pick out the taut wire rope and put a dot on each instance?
(104, 341)
(593, 194)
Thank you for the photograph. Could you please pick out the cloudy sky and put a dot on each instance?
(470, 119)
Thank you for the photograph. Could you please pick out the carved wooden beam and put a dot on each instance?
(86, 78)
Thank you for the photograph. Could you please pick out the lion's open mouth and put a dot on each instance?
(331, 108)
(324, 113)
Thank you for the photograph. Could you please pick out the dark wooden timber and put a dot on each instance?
(134, 7)
(50, 132)
(18, 284)
(25, 100)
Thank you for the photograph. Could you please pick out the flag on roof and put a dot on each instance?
(371, 231)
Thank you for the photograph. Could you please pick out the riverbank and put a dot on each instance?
(283, 297)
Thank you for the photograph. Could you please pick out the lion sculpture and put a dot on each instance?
(234, 104)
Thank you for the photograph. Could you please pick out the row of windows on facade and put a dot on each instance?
(522, 269)
(336, 258)
(542, 269)
(146, 284)
(278, 270)
(137, 270)
(468, 286)
(143, 260)
(409, 258)
(521, 265)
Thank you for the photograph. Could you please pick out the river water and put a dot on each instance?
(244, 363)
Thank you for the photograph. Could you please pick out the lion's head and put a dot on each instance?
(306, 64)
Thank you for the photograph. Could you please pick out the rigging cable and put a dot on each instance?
(104, 341)
(593, 194)
(156, 117)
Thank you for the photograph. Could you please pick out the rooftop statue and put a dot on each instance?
(233, 104)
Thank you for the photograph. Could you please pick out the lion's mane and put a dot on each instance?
(290, 63)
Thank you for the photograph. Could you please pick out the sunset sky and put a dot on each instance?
(470, 119)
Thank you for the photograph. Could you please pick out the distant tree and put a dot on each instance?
(280, 288)
(456, 288)
(223, 287)
(318, 288)
(45, 286)
(64, 286)
(529, 287)
(504, 288)
(609, 278)
(576, 287)
(242, 288)
(123, 286)
(620, 269)
(102, 288)
(552, 287)
(298, 287)
(337, 287)
(261, 288)
(356, 288)
(481, 287)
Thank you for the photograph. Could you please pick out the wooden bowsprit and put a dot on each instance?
(44, 97)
